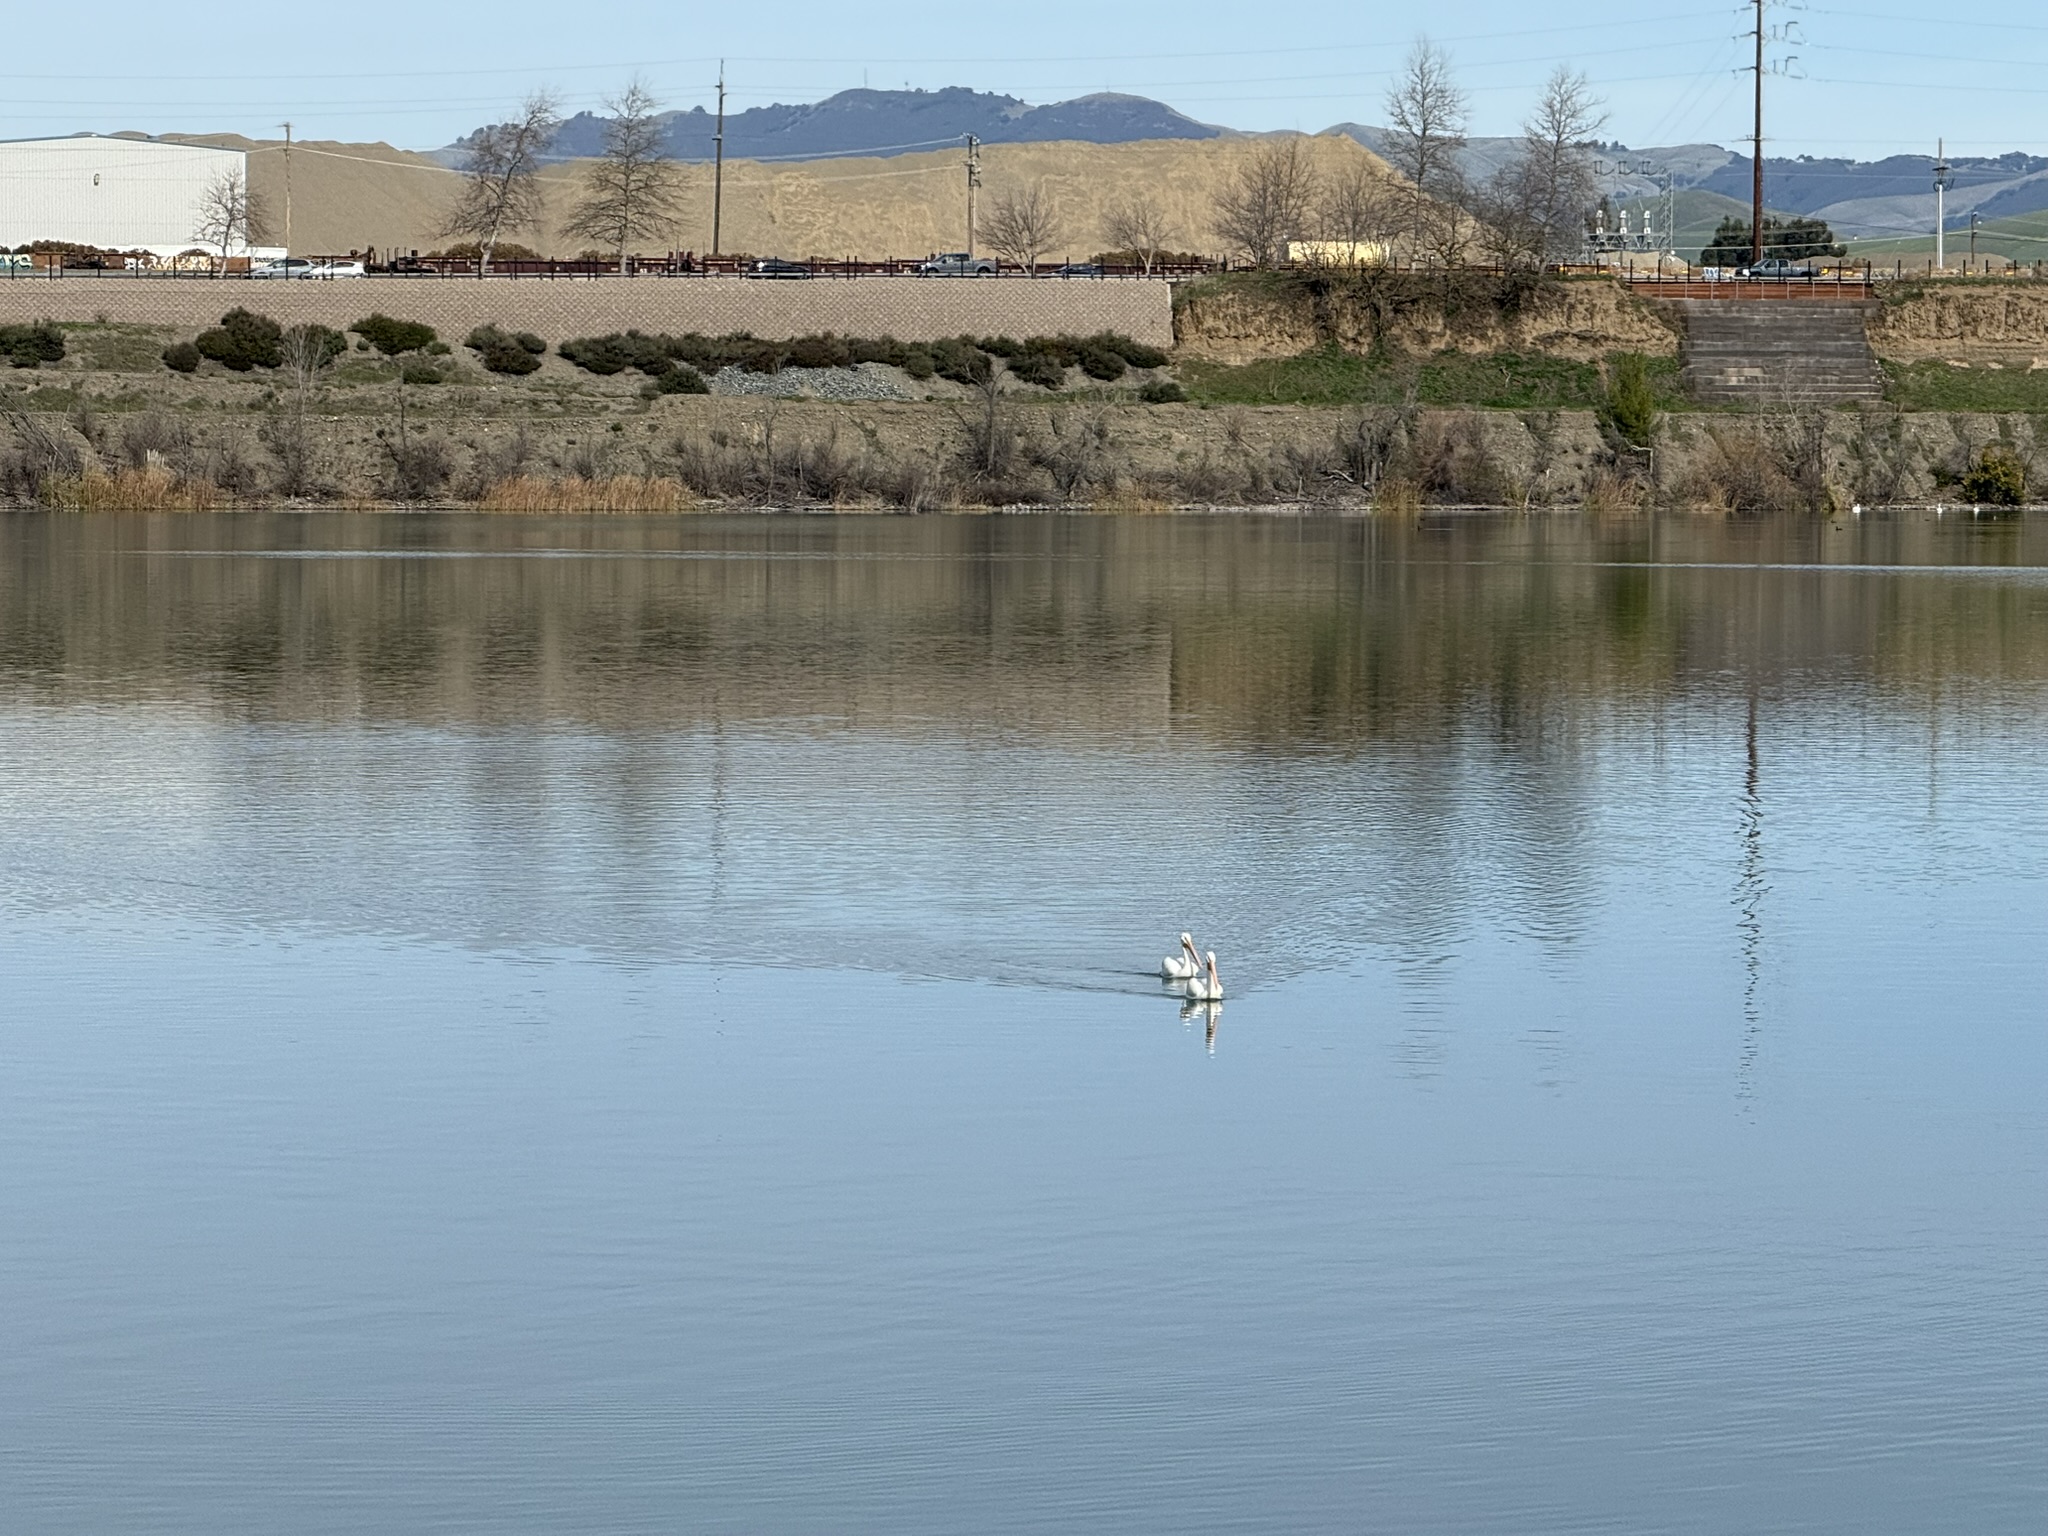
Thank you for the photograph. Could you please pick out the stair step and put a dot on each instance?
(1813, 353)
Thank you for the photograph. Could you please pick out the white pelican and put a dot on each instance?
(1185, 966)
(1209, 988)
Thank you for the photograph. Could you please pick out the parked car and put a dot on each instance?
(1079, 269)
(284, 266)
(1778, 266)
(332, 269)
(957, 264)
(773, 266)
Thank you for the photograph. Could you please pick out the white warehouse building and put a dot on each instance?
(119, 194)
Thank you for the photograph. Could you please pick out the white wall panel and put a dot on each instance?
(118, 194)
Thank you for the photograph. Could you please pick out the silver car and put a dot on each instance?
(957, 264)
(283, 266)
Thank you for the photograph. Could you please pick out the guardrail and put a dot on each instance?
(424, 268)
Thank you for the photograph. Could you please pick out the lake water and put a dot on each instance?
(573, 1025)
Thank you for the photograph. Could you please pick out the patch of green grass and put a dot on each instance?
(1935, 386)
(118, 348)
(1512, 381)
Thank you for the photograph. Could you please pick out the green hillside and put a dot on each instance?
(2022, 238)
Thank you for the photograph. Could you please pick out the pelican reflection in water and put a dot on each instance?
(1208, 1013)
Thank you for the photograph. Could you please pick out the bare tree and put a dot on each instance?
(229, 215)
(1138, 225)
(501, 190)
(1445, 228)
(1022, 225)
(307, 350)
(1266, 203)
(1358, 208)
(631, 192)
(1427, 113)
(1553, 166)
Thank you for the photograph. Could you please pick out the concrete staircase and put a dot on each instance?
(1778, 352)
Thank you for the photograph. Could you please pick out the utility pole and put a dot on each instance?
(1941, 180)
(718, 162)
(973, 181)
(287, 189)
(1976, 221)
(1756, 164)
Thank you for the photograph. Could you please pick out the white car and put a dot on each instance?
(284, 266)
(333, 269)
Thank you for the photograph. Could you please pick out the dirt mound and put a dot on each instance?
(351, 196)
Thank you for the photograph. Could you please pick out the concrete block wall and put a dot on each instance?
(908, 308)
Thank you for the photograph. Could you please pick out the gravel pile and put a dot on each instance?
(865, 381)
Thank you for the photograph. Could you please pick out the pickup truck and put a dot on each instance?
(1778, 266)
(957, 264)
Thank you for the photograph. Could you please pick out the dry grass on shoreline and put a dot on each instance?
(133, 490)
(613, 494)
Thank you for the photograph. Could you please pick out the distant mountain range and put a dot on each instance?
(1859, 198)
(887, 123)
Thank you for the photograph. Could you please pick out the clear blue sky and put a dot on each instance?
(1866, 83)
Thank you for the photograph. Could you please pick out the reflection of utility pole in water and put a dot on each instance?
(1750, 888)
(719, 774)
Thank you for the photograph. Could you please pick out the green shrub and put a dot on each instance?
(1136, 353)
(422, 372)
(918, 362)
(615, 353)
(877, 349)
(323, 343)
(502, 352)
(1098, 362)
(826, 351)
(437, 349)
(1040, 368)
(681, 380)
(959, 359)
(30, 346)
(1162, 392)
(1631, 404)
(1003, 347)
(1998, 477)
(182, 357)
(391, 337)
(753, 356)
(243, 341)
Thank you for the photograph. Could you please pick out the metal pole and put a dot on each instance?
(718, 162)
(287, 196)
(973, 181)
(1756, 189)
(1940, 205)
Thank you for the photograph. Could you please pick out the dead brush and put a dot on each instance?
(1397, 498)
(1131, 498)
(1454, 465)
(154, 489)
(1743, 470)
(1608, 491)
(37, 457)
(615, 494)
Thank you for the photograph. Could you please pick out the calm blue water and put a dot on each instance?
(616, 1026)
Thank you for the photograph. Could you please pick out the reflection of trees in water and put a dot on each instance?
(1274, 631)
(1313, 735)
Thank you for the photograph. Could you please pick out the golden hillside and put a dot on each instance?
(350, 196)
